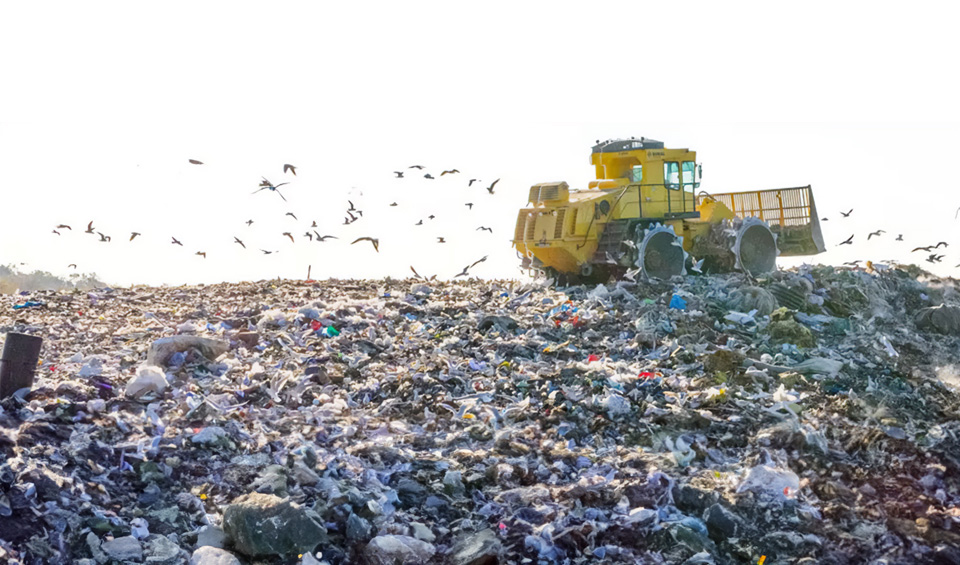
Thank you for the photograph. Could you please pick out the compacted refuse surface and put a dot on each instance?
(810, 416)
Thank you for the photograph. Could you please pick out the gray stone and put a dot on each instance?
(208, 555)
(161, 551)
(721, 523)
(422, 532)
(93, 542)
(211, 536)
(126, 548)
(264, 524)
(390, 550)
(481, 548)
(357, 528)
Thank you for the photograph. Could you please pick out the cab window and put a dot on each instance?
(690, 179)
(636, 174)
(671, 174)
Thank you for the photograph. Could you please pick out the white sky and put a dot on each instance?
(101, 105)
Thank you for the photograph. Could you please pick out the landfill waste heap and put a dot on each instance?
(810, 416)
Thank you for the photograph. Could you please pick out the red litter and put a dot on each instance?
(592, 358)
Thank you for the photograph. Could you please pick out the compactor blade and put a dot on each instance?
(660, 253)
(755, 247)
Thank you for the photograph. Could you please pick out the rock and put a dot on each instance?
(481, 548)
(161, 551)
(264, 524)
(752, 298)
(391, 550)
(941, 319)
(422, 532)
(411, 493)
(211, 536)
(126, 548)
(162, 349)
(721, 523)
(208, 555)
(93, 542)
(503, 323)
(357, 528)
(149, 379)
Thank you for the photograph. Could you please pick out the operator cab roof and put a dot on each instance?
(617, 145)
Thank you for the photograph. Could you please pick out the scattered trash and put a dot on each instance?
(709, 419)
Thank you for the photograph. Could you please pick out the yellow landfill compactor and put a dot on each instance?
(645, 211)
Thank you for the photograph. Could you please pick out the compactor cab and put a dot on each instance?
(646, 211)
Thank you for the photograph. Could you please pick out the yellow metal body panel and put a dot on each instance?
(562, 227)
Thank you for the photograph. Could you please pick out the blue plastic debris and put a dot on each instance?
(678, 303)
(27, 304)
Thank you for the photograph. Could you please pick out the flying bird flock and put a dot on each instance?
(932, 257)
(352, 214)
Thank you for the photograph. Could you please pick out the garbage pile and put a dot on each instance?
(808, 417)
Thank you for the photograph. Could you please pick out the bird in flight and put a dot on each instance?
(399, 174)
(469, 205)
(846, 214)
(943, 243)
(420, 223)
(486, 229)
(934, 258)
(308, 235)
(175, 241)
(848, 241)
(249, 222)
(56, 232)
(291, 168)
(237, 240)
(103, 237)
(288, 234)
(431, 216)
(314, 224)
(292, 215)
(478, 261)
(852, 263)
(462, 273)
(267, 185)
(441, 240)
(469, 184)
(322, 238)
(415, 167)
(393, 204)
(927, 248)
(64, 227)
(419, 276)
(899, 237)
(490, 188)
(352, 208)
(133, 235)
(265, 252)
(373, 240)
(202, 253)
(428, 176)
(195, 162)
(72, 265)
(89, 228)
(450, 172)
(875, 233)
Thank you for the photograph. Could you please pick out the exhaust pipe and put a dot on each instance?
(18, 363)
